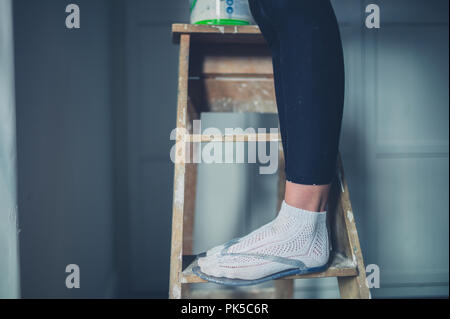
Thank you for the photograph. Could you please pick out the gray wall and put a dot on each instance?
(65, 162)
(95, 107)
(401, 107)
(151, 86)
(9, 261)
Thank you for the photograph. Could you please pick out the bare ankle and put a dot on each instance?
(308, 197)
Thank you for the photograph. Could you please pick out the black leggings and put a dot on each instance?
(308, 64)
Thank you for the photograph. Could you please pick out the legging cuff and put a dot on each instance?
(302, 180)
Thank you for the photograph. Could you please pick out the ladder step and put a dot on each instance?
(205, 138)
(341, 266)
(233, 293)
(217, 34)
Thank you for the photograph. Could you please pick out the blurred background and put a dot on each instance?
(85, 173)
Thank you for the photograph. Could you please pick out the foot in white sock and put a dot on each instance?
(299, 237)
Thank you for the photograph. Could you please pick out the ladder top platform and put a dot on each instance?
(218, 33)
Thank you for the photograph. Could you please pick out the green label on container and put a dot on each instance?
(223, 22)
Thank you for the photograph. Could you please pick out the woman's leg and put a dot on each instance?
(270, 34)
(312, 70)
(309, 82)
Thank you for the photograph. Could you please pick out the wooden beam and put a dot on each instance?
(179, 175)
(340, 267)
(251, 137)
(354, 287)
(212, 33)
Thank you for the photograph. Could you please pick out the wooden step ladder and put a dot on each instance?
(229, 69)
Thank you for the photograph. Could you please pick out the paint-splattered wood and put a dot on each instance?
(251, 137)
(233, 293)
(355, 287)
(179, 175)
(231, 59)
(210, 33)
(339, 267)
(254, 94)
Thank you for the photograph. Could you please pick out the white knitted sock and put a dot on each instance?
(294, 233)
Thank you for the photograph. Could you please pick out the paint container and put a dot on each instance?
(221, 12)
